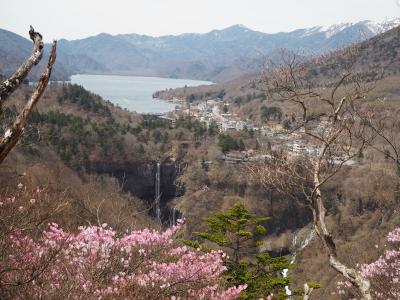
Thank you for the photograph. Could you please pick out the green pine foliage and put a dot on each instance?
(239, 233)
(228, 143)
(88, 101)
(271, 113)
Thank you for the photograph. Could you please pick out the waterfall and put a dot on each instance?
(158, 192)
(303, 244)
(173, 216)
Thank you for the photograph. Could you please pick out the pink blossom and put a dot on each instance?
(383, 272)
(147, 262)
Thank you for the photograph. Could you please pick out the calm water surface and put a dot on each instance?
(133, 92)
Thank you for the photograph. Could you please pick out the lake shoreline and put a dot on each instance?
(134, 93)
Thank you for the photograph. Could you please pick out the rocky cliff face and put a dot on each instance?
(139, 179)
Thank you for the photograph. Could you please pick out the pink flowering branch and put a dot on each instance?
(98, 261)
(384, 273)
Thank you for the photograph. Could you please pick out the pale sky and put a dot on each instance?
(74, 19)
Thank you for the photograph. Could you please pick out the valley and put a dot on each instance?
(271, 172)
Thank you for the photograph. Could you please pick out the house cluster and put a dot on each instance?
(300, 147)
(210, 112)
(245, 156)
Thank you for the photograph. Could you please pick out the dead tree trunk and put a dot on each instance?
(12, 83)
(13, 134)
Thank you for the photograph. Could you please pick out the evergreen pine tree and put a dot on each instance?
(239, 233)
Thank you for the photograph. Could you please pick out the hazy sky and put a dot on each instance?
(73, 19)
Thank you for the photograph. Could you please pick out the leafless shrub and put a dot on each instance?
(343, 134)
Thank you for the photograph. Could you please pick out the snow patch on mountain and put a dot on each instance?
(332, 30)
(372, 28)
(381, 27)
(310, 31)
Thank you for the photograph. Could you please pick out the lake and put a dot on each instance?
(133, 92)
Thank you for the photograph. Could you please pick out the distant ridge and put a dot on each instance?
(376, 58)
(219, 55)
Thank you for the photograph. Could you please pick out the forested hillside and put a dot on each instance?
(280, 184)
(357, 198)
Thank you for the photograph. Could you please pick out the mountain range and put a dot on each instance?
(219, 55)
(372, 60)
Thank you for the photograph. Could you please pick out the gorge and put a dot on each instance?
(290, 172)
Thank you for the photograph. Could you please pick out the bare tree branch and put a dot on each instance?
(13, 134)
(343, 137)
(12, 83)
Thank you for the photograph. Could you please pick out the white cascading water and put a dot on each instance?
(158, 192)
(173, 217)
(304, 244)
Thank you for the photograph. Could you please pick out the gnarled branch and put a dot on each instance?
(344, 131)
(13, 134)
(13, 82)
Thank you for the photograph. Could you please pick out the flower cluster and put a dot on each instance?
(384, 273)
(96, 262)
